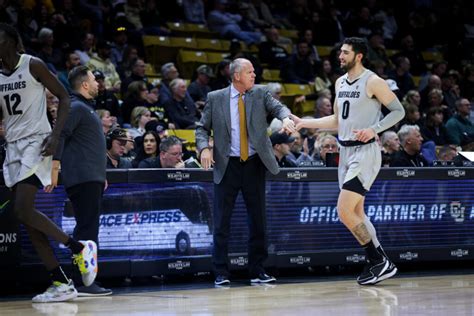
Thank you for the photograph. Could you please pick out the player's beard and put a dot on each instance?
(349, 65)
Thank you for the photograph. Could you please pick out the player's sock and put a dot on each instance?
(75, 246)
(57, 275)
(372, 253)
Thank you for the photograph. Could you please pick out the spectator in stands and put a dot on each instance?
(447, 153)
(106, 120)
(102, 62)
(433, 127)
(299, 14)
(106, 100)
(281, 143)
(410, 155)
(299, 67)
(307, 36)
(171, 155)
(435, 99)
(412, 116)
(87, 43)
(72, 60)
(323, 107)
(467, 83)
(235, 51)
(119, 45)
(434, 82)
(260, 10)
(219, 20)
(460, 128)
(390, 145)
(377, 50)
(324, 145)
(450, 90)
(52, 56)
(137, 95)
(299, 152)
(323, 76)
(139, 117)
(438, 68)
(411, 97)
(194, 11)
(129, 153)
(117, 140)
(360, 23)
(169, 72)
(222, 79)
(154, 23)
(401, 75)
(181, 111)
(409, 50)
(270, 52)
(52, 104)
(130, 55)
(199, 88)
(138, 74)
(147, 146)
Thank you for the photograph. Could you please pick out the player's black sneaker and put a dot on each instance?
(390, 272)
(372, 272)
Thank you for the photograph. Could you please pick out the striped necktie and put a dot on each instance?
(244, 144)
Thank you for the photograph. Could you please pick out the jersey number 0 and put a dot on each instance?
(345, 109)
(12, 101)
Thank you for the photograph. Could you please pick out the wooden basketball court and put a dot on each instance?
(429, 295)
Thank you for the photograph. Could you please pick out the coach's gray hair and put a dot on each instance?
(405, 131)
(236, 66)
(44, 33)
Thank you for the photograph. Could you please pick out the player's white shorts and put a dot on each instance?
(362, 161)
(23, 159)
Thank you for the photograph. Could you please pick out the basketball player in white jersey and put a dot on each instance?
(28, 166)
(357, 112)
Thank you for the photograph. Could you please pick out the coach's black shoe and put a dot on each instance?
(262, 278)
(372, 272)
(222, 280)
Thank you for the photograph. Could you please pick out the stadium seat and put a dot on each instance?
(293, 89)
(271, 75)
(215, 58)
(293, 34)
(210, 44)
(159, 50)
(183, 42)
(188, 135)
(150, 71)
(416, 80)
(431, 56)
(188, 61)
(324, 51)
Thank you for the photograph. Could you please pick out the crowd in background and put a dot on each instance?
(137, 112)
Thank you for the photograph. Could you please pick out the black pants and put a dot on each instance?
(249, 177)
(86, 199)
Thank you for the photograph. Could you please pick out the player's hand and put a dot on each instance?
(288, 126)
(364, 135)
(298, 122)
(49, 146)
(206, 158)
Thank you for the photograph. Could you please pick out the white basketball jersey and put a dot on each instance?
(23, 102)
(355, 109)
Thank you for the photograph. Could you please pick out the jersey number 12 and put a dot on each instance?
(12, 101)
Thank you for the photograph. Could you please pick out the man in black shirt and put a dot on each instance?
(410, 155)
(281, 148)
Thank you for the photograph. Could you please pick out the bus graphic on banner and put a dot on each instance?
(173, 220)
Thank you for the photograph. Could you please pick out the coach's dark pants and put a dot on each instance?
(249, 177)
(86, 200)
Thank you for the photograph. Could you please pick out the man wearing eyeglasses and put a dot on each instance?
(171, 155)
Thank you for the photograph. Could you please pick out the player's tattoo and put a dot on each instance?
(361, 233)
